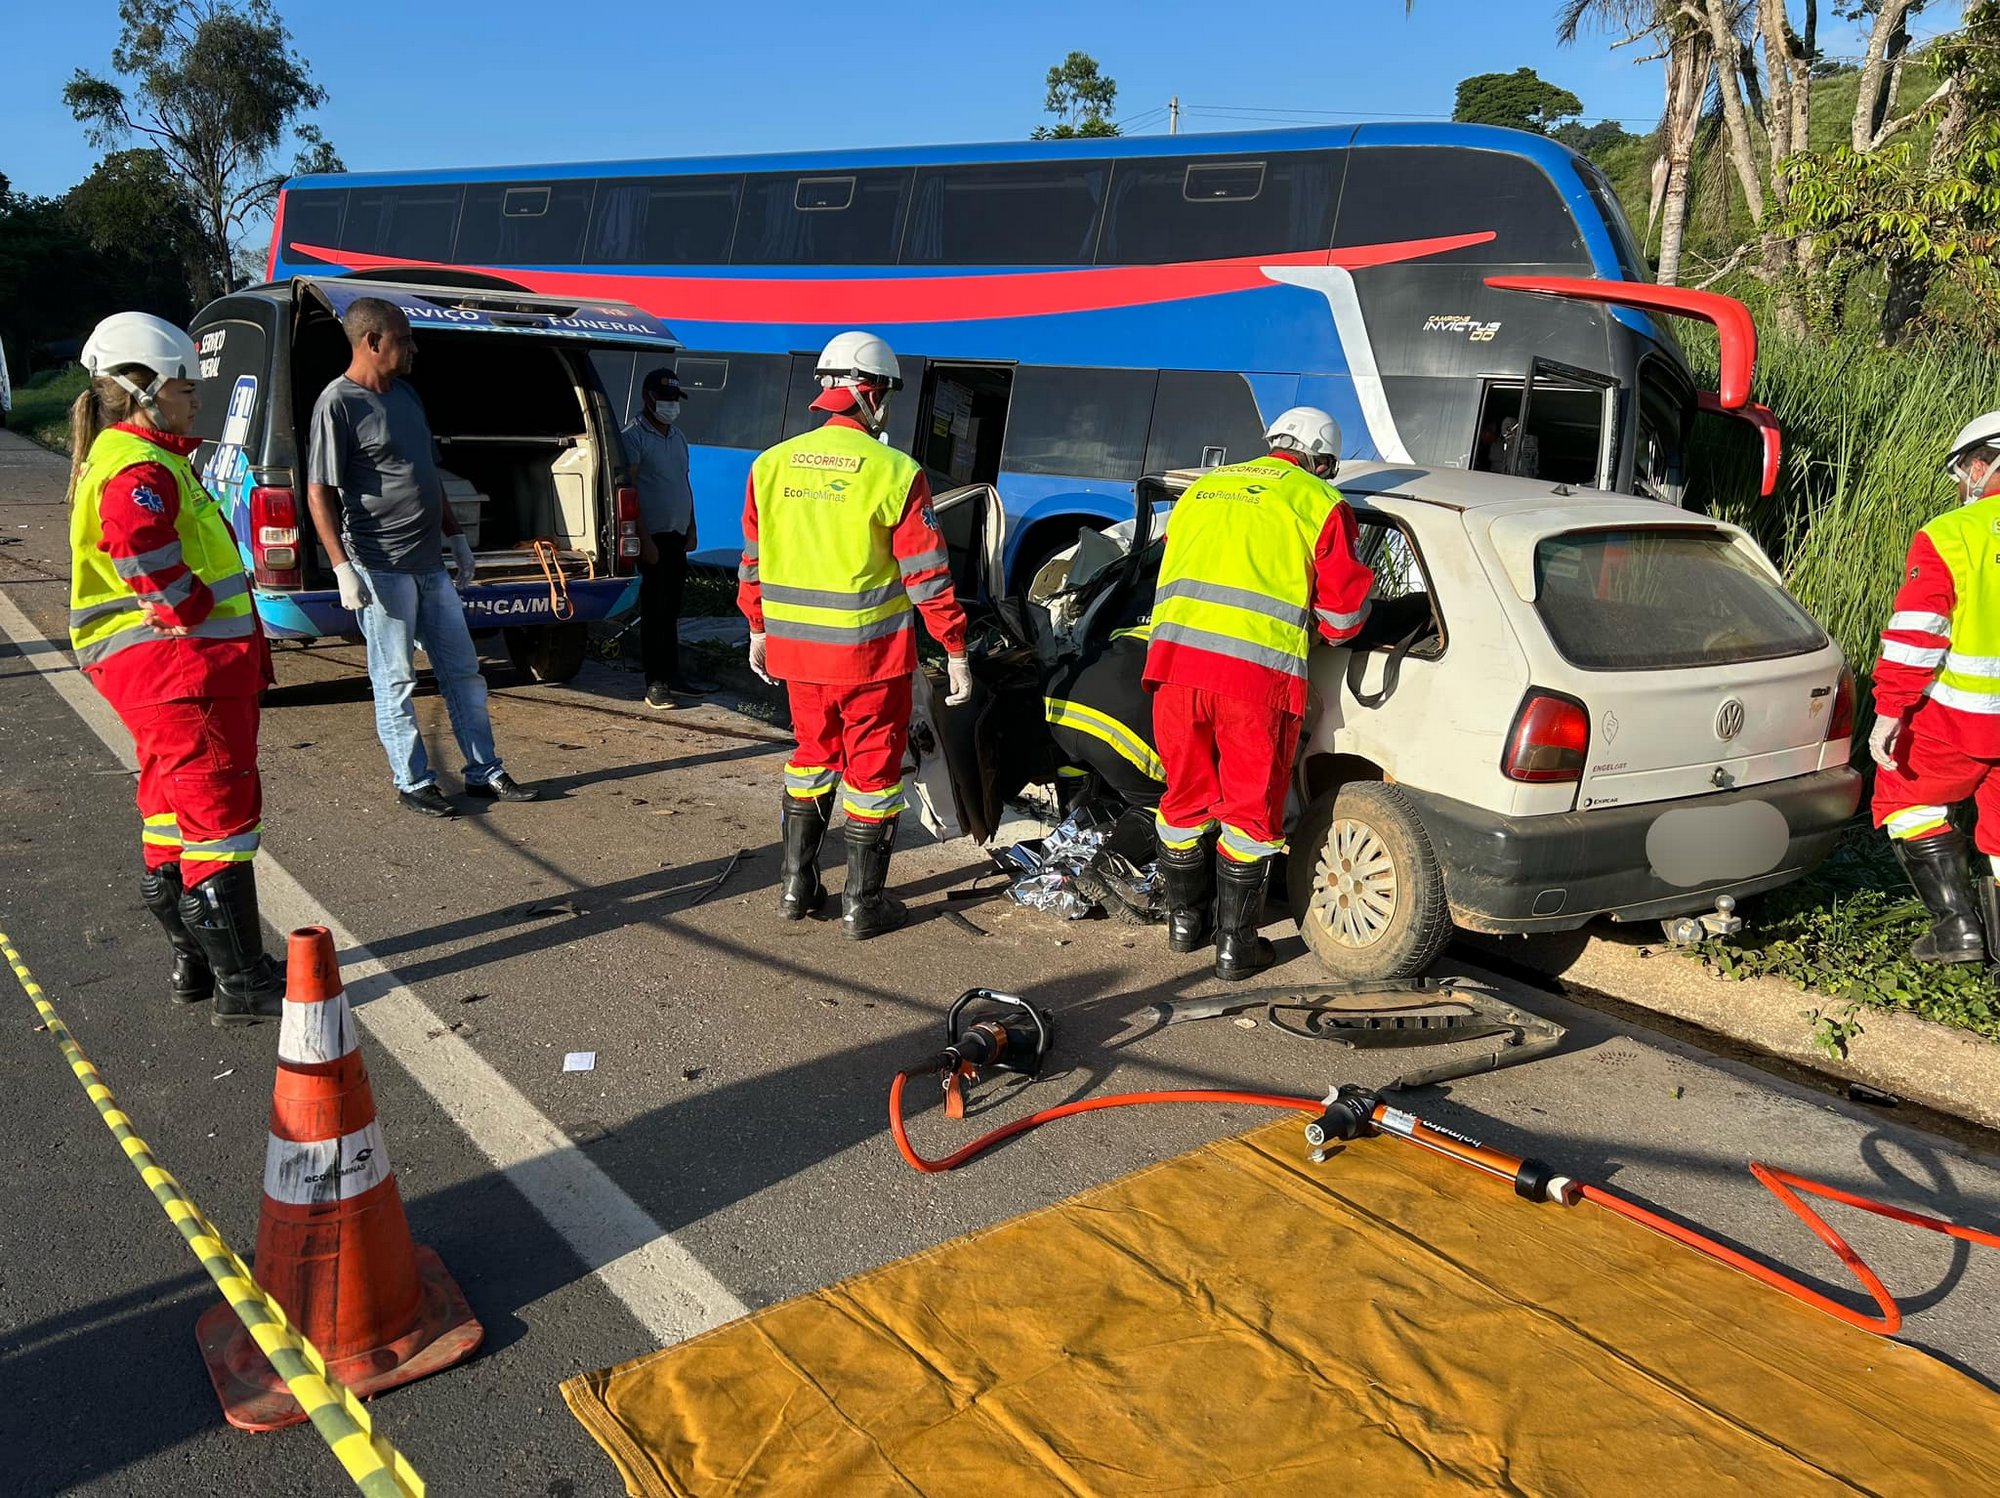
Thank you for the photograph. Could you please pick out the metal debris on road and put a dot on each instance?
(554, 907)
(716, 883)
(960, 921)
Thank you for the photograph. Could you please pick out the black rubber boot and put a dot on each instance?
(1188, 886)
(1937, 866)
(1239, 910)
(800, 892)
(1989, 912)
(221, 913)
(160, 888)
(866, 911)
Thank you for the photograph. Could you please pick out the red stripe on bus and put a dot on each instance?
(928, 298)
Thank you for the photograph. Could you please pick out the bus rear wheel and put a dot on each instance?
(548, 652)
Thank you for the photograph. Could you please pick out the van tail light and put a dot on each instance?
(628, 527)
(274, 538)
(1841, 724)
(1550, 740)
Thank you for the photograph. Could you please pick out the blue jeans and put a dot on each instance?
(409, 611)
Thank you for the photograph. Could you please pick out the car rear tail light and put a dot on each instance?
(274, 538)
(628, 527)
(1550, 740)
(1841, 724)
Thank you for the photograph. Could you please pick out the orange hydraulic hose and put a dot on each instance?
(1783, 1184)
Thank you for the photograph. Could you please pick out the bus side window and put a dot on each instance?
(665, 220)
(1199, 414)
(733, 400)
(1079, 423)
(1014, 213)
(524, 223)
(403, 223)
(312, 217)
(1659, 466)
(854, 218)
(1174, 208)
(1397, 193)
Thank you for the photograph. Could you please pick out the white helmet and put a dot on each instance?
(1308, 431)
(140, 338)
(1981, 431)
(859, 359)
(864, 365)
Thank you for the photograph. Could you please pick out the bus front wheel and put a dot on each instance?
(548, 652)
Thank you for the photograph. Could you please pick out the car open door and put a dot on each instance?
(945, 782)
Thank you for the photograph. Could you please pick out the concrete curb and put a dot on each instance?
(1940, 1067)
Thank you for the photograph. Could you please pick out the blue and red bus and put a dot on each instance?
(1072, 314)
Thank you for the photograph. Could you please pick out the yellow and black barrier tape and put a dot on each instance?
(378, 1468)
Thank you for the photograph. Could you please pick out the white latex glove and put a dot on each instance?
(461, 553)
(354, 594)
(959, 670)
(1882, 741)
(757, 659)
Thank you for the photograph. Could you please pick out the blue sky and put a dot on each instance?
(422, 83)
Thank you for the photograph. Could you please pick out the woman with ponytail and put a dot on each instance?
(162, 622)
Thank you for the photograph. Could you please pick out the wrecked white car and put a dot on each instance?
(1565, 704)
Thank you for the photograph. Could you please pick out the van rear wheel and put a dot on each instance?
(1365, 885)
(548, 652)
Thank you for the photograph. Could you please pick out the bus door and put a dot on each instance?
(1559, 424)
(961, 422)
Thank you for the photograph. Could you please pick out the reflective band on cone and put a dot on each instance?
(333, 1245)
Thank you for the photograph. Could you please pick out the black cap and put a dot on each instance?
(664, 384)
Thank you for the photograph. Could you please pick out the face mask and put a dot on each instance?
(667, 411)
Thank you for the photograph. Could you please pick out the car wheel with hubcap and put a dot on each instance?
(1365, 885)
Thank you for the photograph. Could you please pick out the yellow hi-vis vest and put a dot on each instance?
(828, 503)
(1968, 539)
(105, 614)
(1237, 577)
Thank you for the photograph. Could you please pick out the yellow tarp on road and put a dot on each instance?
(1241, 1322)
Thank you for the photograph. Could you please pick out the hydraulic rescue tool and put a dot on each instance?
(987, 1029)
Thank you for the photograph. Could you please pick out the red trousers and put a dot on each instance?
(1914, 799)
(854, 735)
(1228, 761)
(199, 794)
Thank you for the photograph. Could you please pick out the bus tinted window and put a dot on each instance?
(822, 218)
(665, 221)
(1208, 208)
(312, 217)
(1397, 193)
(404, 223)
(1026, 213)
(1201, 419)
(524, 223)
(733, 400)
(1083, 423)
(1631, 255)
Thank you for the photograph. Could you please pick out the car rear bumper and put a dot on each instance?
(316, 613)
(1555, 873)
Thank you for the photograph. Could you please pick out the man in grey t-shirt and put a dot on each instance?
(378, 505)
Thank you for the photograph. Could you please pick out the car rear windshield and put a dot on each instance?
(1663, 600)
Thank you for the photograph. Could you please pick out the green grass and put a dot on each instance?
(41, 407)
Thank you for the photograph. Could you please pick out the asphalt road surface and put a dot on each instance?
(728, 1150)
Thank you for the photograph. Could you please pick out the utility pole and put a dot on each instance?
(1174, 115)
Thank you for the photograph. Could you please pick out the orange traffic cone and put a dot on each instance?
(333, 1246)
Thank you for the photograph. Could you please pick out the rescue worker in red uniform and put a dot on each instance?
(1260, 556)
(840, 551)
(162, 623)
(1936, 735)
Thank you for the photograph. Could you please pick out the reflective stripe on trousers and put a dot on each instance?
(872, 806)
(1180, 838)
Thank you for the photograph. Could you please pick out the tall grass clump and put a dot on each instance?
(1865, 433)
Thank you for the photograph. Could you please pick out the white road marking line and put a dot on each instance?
(664, 1286)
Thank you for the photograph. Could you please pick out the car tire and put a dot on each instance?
(1366, 836)
(548, 652)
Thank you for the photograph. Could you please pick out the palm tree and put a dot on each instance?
(1686, 49)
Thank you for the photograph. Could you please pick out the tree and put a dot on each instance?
(132, 214)
(1080, 97)
(1520, 100)
(213, 86)
(1592, 140)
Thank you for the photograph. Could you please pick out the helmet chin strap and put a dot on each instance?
(143, 396)
(875, 411)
